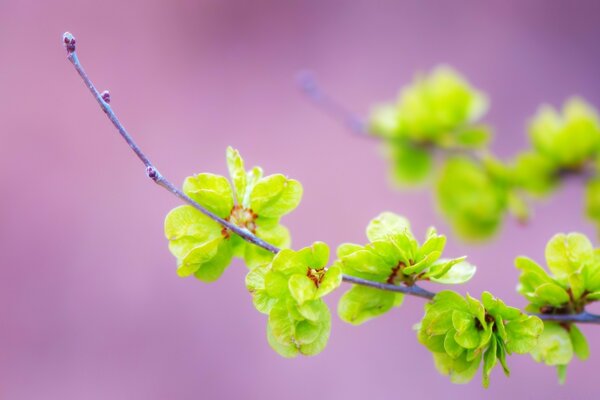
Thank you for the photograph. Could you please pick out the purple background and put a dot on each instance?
(90, 305)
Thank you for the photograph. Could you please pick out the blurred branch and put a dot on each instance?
(103, 100)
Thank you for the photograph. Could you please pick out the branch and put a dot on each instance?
(307, 82)
(103, 100)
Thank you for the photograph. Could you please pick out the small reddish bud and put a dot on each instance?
(105, 96)
(69, 42)
(152, 173)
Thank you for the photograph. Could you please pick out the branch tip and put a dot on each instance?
(69, 42)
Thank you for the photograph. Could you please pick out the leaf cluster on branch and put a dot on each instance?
(240, 218)
(439, 114)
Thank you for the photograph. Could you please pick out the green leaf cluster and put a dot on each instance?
(439, 109)
(562, 143)
(393, 256)
(463, 333)
(570, 139)
(473, 197)
(573, 282)
(251, 201)
(289, 290)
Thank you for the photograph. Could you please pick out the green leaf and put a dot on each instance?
(345, 249)
(458, 273)
(212, 269)
(592, 199)
(211, 191)
(281, 324)
(522, 334)
(365, 261)
(501, 354)
(476, 136)
(252, 178)
(187, 228)
(568, 139)
(361, 303)
(315, 256)
(535, 173)
(386, 224)
(302, 288)
(197, 257)
(312, 310)
(554, 346)
(287, 349)
(434, 243)
(472, 199)
(551, 293)
(580, 344)
(324, 325)
(235, 165)
(561, 372)
(577, 284)
(489, 362)
(451, 347)
(275, 196)
(276, 283)
(567, 254)
(411, 164)
(459, 369)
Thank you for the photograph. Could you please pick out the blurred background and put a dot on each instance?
(90, 305)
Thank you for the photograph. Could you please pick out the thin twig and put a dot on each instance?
(103, 100)
(307, 82)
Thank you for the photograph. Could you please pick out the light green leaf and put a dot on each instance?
(315, 256)
(287, 350)
(302, 288)
(567, 254)
(551, 293)
(580, 344)
(235, 165)
(199, 256)
(345, 249)
(211, 191)
(489, 362)
(212, 269)
(411, 164)
(522, 334)
(361, 303)
(385, 224)
(452, 348)
(459, 273)
(554, 346)
(275, 196)
(475, 136)
(282, 325)
(187, 228)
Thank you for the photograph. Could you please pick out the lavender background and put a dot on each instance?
(90, 305)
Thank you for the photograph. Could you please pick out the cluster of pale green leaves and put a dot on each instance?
(253, 202)
(289, 286)
(439, 112)
(393, 256)
(290, 290)
(464, 332)
(573, 283)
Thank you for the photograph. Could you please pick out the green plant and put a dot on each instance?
(439, 115)
(223, 220)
